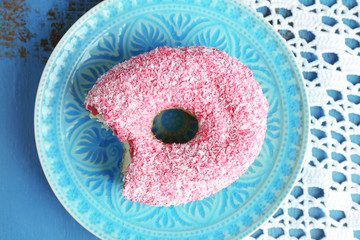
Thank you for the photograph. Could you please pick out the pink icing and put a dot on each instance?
(220, 91)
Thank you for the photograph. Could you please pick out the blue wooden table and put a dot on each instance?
(30, 29)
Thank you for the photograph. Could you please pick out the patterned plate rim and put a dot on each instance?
(303, 93)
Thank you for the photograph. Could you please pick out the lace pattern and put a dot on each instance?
(324, 37)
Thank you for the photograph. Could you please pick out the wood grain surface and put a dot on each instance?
(29, 31)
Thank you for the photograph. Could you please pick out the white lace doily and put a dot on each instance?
(324, 35)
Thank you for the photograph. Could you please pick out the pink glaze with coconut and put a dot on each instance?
(218, 90)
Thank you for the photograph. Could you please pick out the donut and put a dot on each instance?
(215, 89)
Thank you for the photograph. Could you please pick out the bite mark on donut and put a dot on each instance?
(126, 158)
(127, 145)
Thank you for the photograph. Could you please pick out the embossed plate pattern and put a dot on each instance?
(81, 159)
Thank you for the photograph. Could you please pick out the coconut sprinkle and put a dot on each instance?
(218, 90)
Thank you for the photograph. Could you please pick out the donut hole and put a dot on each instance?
(174, 125)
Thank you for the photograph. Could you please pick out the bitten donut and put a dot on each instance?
(217, 90)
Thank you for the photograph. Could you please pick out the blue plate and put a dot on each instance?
(81, 160)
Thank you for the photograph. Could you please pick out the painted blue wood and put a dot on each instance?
(29, 31)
